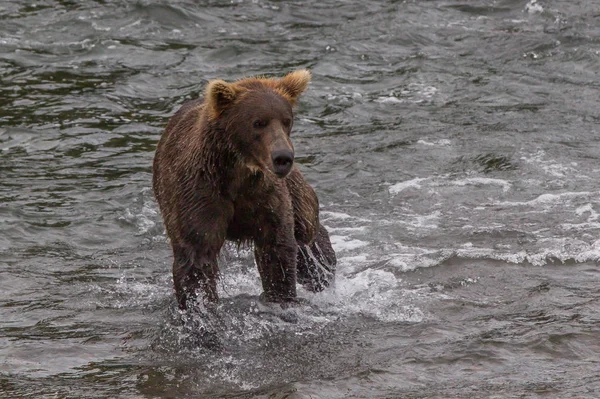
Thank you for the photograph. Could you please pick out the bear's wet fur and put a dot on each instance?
(223, 170)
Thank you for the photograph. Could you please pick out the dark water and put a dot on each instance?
(455, 149)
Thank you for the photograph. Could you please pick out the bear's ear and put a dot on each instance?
(220, 94)
(294, 83)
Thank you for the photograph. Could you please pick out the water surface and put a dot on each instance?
(454, 147)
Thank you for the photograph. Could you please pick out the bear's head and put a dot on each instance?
(256, 116)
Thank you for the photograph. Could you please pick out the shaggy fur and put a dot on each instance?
(217, 177)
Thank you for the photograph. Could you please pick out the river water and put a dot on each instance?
(454, 146)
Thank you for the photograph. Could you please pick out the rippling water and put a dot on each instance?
(455, 149)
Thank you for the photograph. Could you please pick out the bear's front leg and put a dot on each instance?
(195, 267)
(195, 272)
(277, 267)
(275, 251)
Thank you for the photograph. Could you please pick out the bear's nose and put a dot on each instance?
(282, 162)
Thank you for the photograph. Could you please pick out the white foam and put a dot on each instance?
(388, 100)
(443, 181)
(336, 215)
(477, 181)
(129, 292)
(550, 167)
(362, 258)
(587, 208)
(580, 226)
(345, 229)
(550, 250)
(412, 258)
(414, 92)
(343, 243)
(143, 220)
(425, 91)
(227, 371)
(100, 28)
(240, 283)
(409, 262)
(376, 293)
(401, 186)
(143, 214)
(442, 142)
(562, 250)
(428, 221)
(533, 7)
(549, 199)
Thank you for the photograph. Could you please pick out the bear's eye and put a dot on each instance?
(260, 123)
(287, 123)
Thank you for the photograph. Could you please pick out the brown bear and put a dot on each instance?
(224, 170)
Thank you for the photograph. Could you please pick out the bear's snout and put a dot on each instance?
(282, 162)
